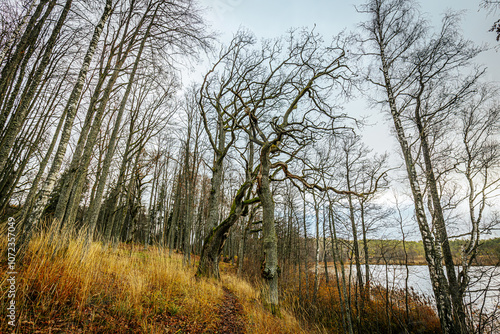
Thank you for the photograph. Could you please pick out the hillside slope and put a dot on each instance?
(63, 289)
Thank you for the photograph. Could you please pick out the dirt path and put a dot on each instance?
(230, 312)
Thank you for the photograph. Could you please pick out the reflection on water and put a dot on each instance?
(484, 289)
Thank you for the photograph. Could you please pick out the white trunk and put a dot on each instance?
(20, 114)
(433, 258)
(70, 111)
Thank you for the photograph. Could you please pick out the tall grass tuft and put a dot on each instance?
(68, 286)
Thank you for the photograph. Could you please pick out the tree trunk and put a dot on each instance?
(72, 204)
(21, 112)
(217, 172)
(270, 270)
(365, 250)
(306, 253)
(20, 115)
(325, 253)
(212, 246)
(115, 195)
(95, 205)
(241, 251)
(175, 215)
(341, 286)
(214, 242)
(316, 261)
(70, 111)
(24, 50)
(440, 227)
(17, 31)
(188, 194)
(68, 204)
(438, 279)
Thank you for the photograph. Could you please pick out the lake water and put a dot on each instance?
(484, 284)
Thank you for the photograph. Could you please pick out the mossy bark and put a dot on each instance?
(212, 247)
(270, 270)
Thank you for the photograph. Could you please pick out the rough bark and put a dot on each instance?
(208, 265)
(217, 171)
(20, 114)
(70, 111)
(242, 246)
(270, 271)
(214, 242)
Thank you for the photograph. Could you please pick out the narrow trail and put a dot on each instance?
(231, 315)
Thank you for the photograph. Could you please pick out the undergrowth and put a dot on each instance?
(380, 311)
(69, 287)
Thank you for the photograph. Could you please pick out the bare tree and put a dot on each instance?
(284, 93)
(16, 32)
(418, 74)
(19, 116)
(32, 214)
(492, 6)
(220, 114)
(96, 203)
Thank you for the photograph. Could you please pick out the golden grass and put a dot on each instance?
(65, 287)
(258, 320)
(378, 315)
(69, 287)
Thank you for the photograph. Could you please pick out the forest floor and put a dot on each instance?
(231, 314)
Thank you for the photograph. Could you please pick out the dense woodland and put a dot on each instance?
(256, 163)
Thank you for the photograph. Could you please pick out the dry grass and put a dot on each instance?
(258, 320)
(64, 288)
(67, 287)
(378, 315)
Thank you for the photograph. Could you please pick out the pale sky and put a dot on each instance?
(273, 18)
